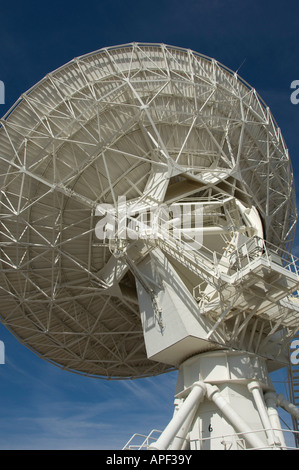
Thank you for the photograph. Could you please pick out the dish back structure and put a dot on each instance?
(147, 216)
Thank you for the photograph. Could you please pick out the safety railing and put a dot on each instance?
(141, 441)
(257, 247)
(224, 441)
(237, 439)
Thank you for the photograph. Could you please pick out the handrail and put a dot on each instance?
(145, 443)
(258, 247)
(289, 446)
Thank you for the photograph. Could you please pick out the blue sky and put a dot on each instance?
(42, 406)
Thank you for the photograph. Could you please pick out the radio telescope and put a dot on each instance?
(147, 217)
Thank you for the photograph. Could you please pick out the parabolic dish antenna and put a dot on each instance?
(137, 184)
(149, 123)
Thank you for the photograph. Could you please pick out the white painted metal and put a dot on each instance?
(187, 408)
(273, 414)
(255, 388)
(293, 382)
(147, 215)
(230, 412)
(234, 418)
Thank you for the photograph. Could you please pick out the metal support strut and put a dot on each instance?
(189, 406)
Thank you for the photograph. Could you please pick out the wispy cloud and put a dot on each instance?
(43, 407)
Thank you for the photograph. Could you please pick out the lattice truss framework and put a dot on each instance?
(101, 127)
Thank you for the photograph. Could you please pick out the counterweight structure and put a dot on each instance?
(147, 217)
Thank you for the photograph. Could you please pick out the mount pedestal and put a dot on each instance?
(224, 400)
